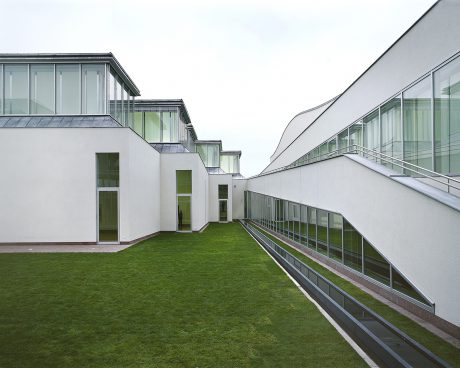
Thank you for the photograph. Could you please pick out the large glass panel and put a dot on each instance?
(356, 134)
(400, 284)
(126, 104)
(184, 218)
(371, 131)
(352, 247)
(213, 155)
(108, 216)
(323, 150)
(16, 89)
(203, 152)
(108, 172)
(119, 105)
(152, 126)
(312, 227)
(375, 265)
(322, 231)
(42, 89)
(303, 225)
(390, 115)
(93, 87)
(166, 127)
(343, 141)
(68, 89)
(138, 123)
(112, 94)
(417, 124)
(447, 118)
(174, 129)
(223, 191)
(335, 236)
(1, 89)
(332, 145)
(184, 181)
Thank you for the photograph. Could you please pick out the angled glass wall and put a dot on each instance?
(332, 236)
(159, 125)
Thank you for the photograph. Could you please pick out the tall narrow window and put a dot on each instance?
(1, 89)
(371, 131)
(108, 179)
(112, 95)
(67, 89)
(223, 199)
(311, 227)
(152, 126)
(322, 231)
(16, 90)
(447, 118)
(184, 200)
(139, 123)
(93, 87)
(42, 89)
(390, 115)
(352, 247)
(417, 124)
(335, 236)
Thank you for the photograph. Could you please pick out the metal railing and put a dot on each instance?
(407, 168)
(385, 343)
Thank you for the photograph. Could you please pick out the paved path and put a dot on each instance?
(100, 248)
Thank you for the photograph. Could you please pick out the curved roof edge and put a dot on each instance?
(300, 113)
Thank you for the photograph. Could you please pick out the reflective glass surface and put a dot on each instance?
(67, 89)
(335, 236)
(42, 89)
(108, 171)
(93, 88)
(16, 89)
(108, 216)
(352, 246)
(223, 191)
(183, 181)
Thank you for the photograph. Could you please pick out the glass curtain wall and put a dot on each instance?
(447, 118)
(152, 127)
(230, 163)
(371, 131)
(331, 235)
(68, 89)
(209, 153)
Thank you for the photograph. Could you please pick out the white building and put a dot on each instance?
(359, 182)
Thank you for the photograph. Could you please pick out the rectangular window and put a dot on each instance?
(223, 191)
(322, 231)
(356, 134)
(303, 225)
(16, 90)
(183, 181)
(390, 115)
(108, 172)
(371, 131)
(184, 211)
(335, 236)
(1, 89)
(352, 247)
(417, 124)
(112, 95)
(67, 89)
(375, 265)
(119, 99)
(311, 227)
(343, 141)
(93, 87)
(152, 127)
(42, 89)
(447, 118)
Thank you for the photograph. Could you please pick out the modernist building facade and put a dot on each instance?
(359, 182)
(367, 182)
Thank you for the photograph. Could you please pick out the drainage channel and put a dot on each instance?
(382, 341)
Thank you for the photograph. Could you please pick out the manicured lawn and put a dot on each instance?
(438, 346)
(178, 300)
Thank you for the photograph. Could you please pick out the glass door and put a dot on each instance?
(223, 211)
(184, 218)
(107, 216)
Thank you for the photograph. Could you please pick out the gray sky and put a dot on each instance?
(243, 68)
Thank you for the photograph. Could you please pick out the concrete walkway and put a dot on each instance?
(100, 248)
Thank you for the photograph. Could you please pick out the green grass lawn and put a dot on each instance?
(438, 346)
(213, 299)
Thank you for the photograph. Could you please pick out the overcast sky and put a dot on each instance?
(243, 68)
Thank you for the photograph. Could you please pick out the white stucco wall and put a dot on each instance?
(239, 186)
(170, 162)
(48, 184)
(401, 223)
(430, 42)
(213, 200)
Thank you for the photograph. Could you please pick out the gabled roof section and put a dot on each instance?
(59, 121)
(73, 58)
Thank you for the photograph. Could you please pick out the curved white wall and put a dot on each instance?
(428, 43)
